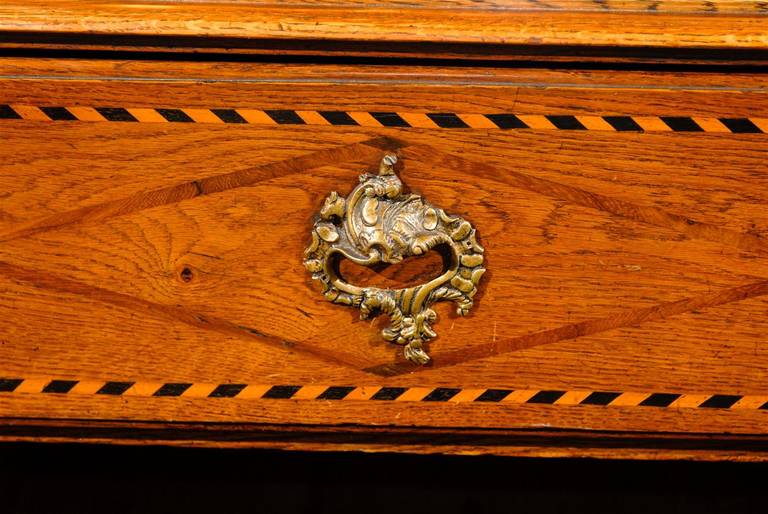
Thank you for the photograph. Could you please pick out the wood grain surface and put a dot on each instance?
(170, 252)
(630, 23)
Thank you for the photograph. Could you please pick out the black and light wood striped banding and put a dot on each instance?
(383, 393)
(426, 120)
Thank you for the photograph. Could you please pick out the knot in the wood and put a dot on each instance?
(186, 274)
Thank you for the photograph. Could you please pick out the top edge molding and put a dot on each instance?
(722, 24)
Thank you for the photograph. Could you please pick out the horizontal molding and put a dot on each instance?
(661, 24)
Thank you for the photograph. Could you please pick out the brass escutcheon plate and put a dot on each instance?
(378, 223)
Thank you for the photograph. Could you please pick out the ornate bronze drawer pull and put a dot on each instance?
(378, 223)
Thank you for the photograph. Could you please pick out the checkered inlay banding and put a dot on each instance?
(377, 393)
(423, 120)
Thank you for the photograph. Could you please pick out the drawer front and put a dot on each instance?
(154, 221)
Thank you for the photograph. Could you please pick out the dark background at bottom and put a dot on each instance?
(61, 479)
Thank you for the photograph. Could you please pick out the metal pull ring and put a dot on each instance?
(378, 223)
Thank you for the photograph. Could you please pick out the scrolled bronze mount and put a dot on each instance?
(378, 223)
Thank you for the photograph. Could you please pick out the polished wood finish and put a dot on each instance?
(681, 24)
(162, 252)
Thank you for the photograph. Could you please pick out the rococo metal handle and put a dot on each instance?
(377, 223)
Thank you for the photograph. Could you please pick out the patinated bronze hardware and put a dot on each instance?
(378, 223)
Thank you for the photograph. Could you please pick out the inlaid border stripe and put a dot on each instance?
(362, 393)
(147, 115)
(285, 117)
(520, 396)
(467, 395)
(623, 123)
(9, 385)
(595, 123)
(711, 124)
(760, 123)
(252, 391)
(59, 386)
(309, 392)
(478, 121)
(413, 394)
(536, 121)
(312, 118)
(58, 113)
(121, 114)
(690, 401)
(629, 399)
(87, 387)
(203, 116)
(227, 390)
(493, 395)
(335, 393)
(31, 386)
(659, 400)
(228, 115)
(88, 113)
(572, 397)
(651, 123)
(143, 389)
(172, 389)
(114, 388)
(8, 113)
(417, 119)
(364, 119)
(322, 392)
(30, 112)
(255, 117)
(425, 120)
(337, 118)
(199, 391)
(750, 402)
(175, 115)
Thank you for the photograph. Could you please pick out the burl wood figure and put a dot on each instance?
(586, 180)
